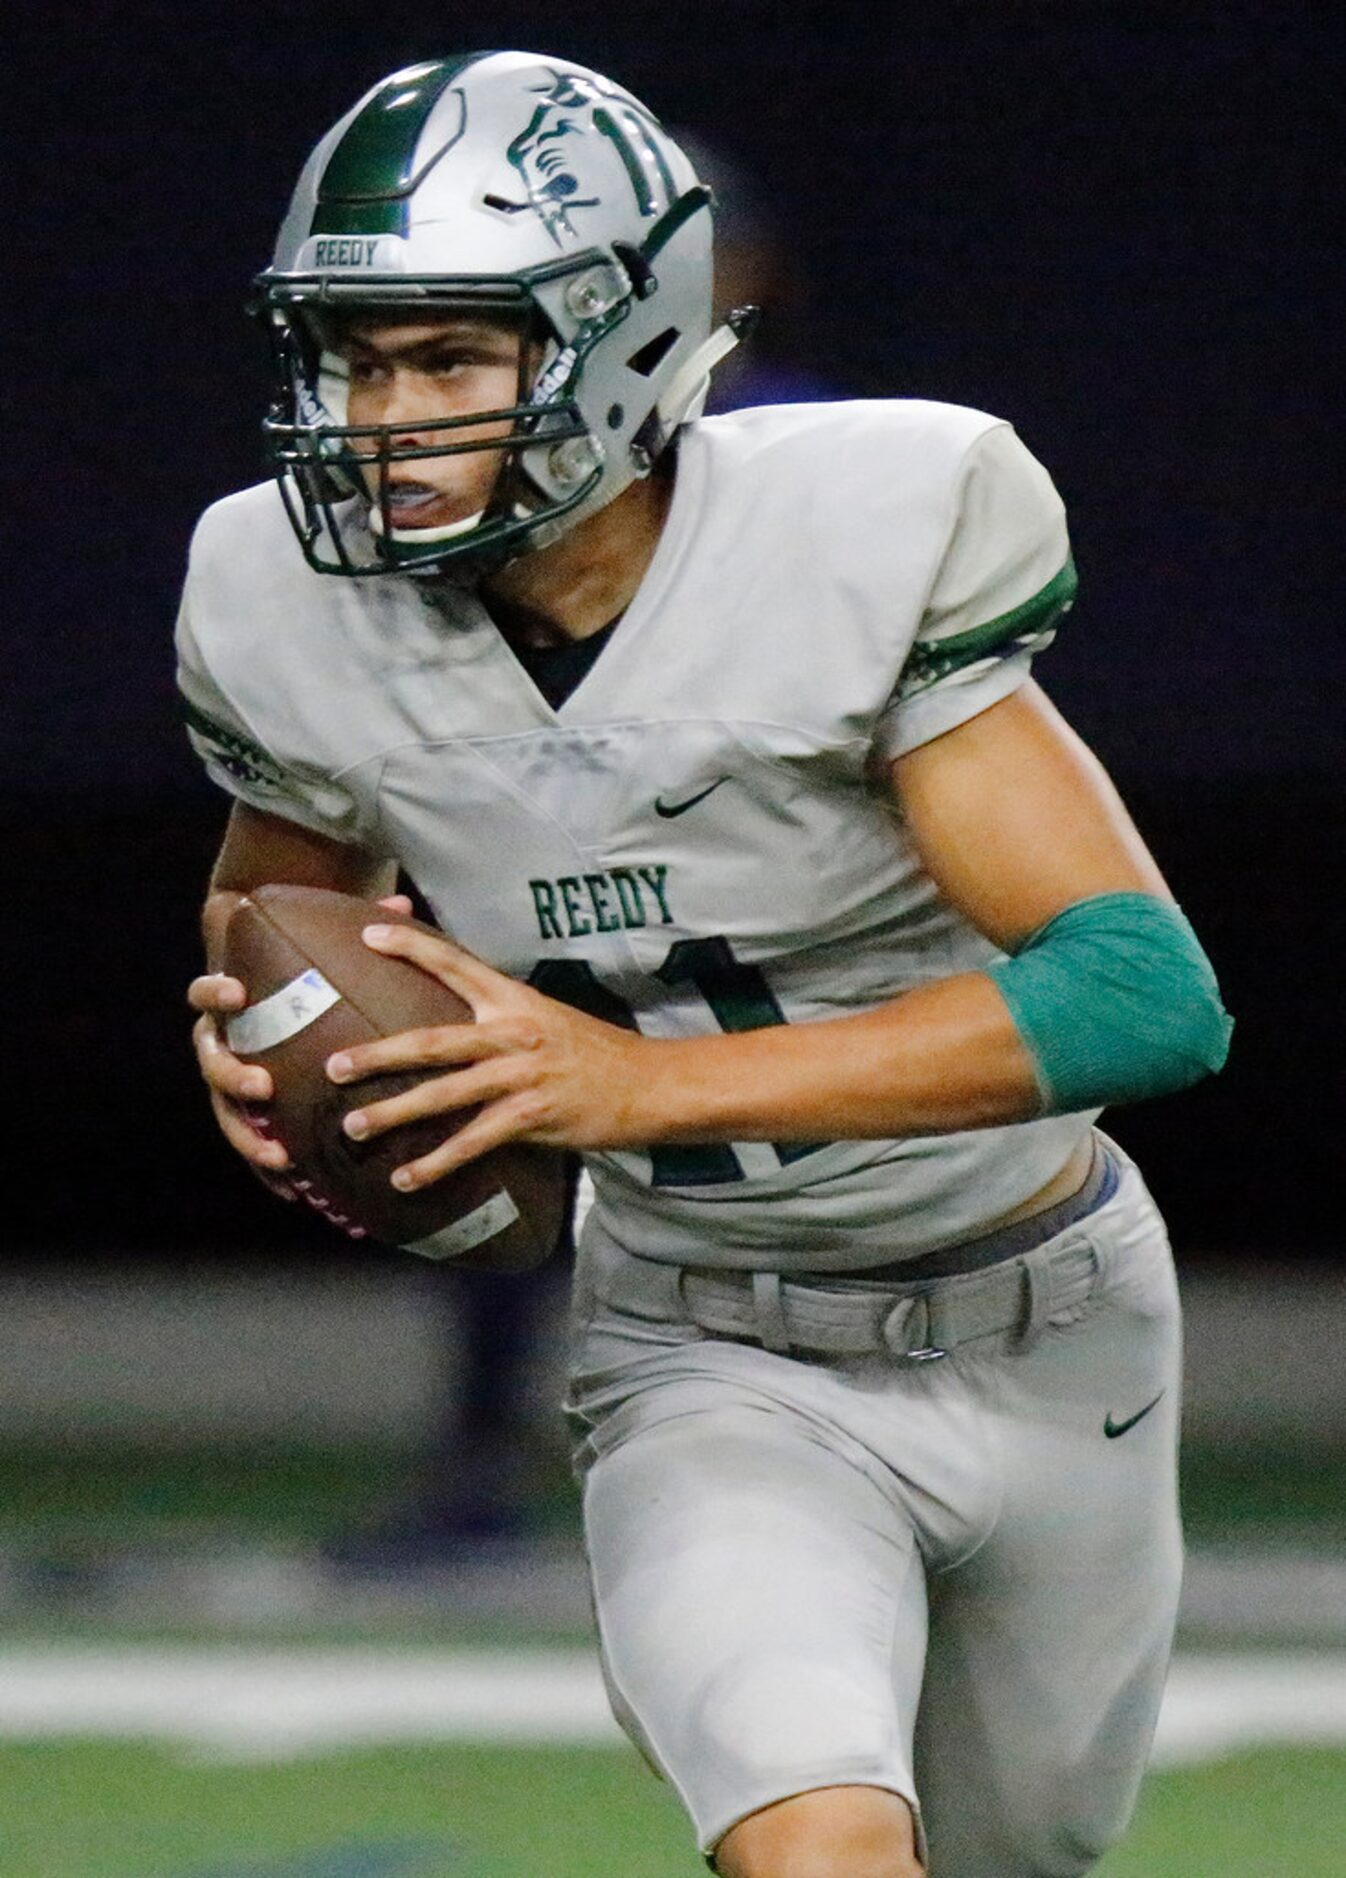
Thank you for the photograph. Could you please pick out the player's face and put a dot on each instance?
(406, 373)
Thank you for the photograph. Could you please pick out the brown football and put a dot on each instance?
(313, 987)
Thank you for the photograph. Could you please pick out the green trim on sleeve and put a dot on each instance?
(1115, 1001)
(1030, 620)
(236, 754)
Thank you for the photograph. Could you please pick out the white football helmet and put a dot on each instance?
(516, 185)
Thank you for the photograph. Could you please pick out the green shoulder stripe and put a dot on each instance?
(1030, 620)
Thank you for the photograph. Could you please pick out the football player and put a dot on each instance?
(781, 893)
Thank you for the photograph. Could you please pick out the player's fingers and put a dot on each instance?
(437, 1095)
(435, 1044)
(507, 1120)
(469, 976)
(216, 991)
(397, 903)
(261, 1153)
(225, 1073)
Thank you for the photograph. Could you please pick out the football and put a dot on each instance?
(314, 987)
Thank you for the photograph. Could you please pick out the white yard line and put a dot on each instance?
(268, 1705)
(1218, 1704)
(252, 1704)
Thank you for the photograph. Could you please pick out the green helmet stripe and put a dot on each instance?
(612, 130)
(387, 217)
(371, 171)
(654, 149)
(624, 137)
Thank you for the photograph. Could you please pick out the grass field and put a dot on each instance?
(83, 1499)
(103, 1811)
(85, 1808)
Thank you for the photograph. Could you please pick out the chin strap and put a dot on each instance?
(447, 531)
(686, 390)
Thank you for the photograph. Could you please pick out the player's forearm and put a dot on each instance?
(1111, 1000)
(259, 847)
(214, 918)
(941, 1058)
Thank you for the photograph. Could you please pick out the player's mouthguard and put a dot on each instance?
(410, 495)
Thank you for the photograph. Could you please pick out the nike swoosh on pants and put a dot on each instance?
(1112, 1429)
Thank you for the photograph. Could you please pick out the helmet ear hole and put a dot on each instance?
(653, 353)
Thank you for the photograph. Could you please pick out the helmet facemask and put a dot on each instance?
(340, 480)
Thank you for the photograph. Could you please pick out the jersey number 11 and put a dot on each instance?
(740, 998)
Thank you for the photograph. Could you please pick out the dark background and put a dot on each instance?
(1107, 223)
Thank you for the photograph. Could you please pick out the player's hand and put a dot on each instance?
(240, 1091)
(539, 1070)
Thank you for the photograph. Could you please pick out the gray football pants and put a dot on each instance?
(953, 1579)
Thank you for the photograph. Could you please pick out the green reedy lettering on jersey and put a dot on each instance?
(622, 900)
(577, 920)
(1028, 623)
(371, 172)
(628, 897)
(654, 878)
(544, 905)
(597, 886)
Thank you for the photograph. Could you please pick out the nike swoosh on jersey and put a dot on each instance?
(669, 809)
(1112, 1429)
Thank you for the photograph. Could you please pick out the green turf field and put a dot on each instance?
(1269, 1815)
(116, 1809)
(95, 1497)
(100, 1811)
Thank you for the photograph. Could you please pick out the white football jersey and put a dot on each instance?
(701, 836)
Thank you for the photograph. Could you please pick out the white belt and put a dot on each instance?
(918, 1322)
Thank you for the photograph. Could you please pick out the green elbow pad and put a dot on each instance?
(1116, 1001)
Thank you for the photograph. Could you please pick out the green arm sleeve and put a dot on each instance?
(1116, 1001)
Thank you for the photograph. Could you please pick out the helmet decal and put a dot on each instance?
(640, 153)
(572, 105)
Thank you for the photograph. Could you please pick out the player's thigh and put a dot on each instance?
(1048, 1648)
(760, 1600)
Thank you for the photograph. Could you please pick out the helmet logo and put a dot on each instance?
(572, 106)
(538, 154)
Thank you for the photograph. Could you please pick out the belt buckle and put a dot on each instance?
(924, 1352)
